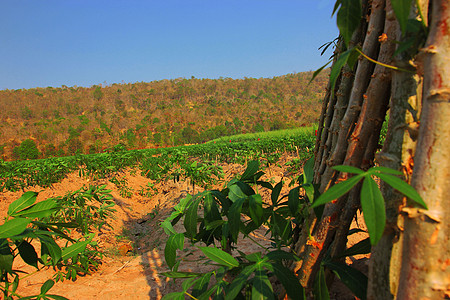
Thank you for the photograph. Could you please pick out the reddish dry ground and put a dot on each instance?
(137, 273)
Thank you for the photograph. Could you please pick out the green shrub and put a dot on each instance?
(28, 150)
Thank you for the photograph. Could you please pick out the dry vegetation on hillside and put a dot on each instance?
(68, 120)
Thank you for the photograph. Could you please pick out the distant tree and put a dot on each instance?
(74, 146)
(98, 94)
(28, 150)
(26, 113)
(189, 135)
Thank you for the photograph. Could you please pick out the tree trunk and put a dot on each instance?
(425, 269)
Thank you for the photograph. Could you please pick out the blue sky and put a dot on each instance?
(86, 42)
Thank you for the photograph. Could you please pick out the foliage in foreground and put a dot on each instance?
(220, 218)
(50, 222)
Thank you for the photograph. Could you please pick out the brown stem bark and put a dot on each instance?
(425, 270)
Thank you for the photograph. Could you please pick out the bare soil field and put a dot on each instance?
(134, 247)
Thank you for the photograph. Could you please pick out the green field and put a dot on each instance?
(160, 162)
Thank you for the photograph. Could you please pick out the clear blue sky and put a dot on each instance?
(86, 42)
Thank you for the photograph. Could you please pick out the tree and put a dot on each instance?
(28, 150)
(378, 68)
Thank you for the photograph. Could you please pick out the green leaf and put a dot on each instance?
(294, 200)
(376, 170)
(283, 225)
(174, 296)
(39, 210)
(352, 278)
(256, 209)
(362, 247)
(13, 227)
(201, 286)
(289, 281)
(372, 204)
(173, 243)
(320, 286)
(6, 256)
(47, 286)
(211, 210)
(177, 274)
(238, 283)
(234, 217)
(236, 193)
(262, 288)
(317, 72)
(348, 18)
(26, 200)
(403, 188)
(220, 256)
(28, 253)
(276, 192)
(308, 171)
(348, 169)
(338, 65)
(50, 247)
(252, 168)
(401, 9)
(279, 255)
(190, 219)
(56, 297)
(337, 190)
(76, 248)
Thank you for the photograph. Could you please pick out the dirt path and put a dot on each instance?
(134, 247)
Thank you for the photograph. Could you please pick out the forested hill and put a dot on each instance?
(67, 120)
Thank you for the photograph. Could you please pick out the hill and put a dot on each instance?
(69, 120)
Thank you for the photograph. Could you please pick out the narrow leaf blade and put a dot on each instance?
(220, 256)
(337, 190)
(372, 204)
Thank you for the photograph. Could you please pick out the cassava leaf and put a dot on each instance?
(320, 286)
(348, 169)
(256, 209)
(352, 278)
(337, 190)
(401, 9)
(308, 171)
(238, 283)
(362, 247)
(261, 288)
(76, 248)
(372, 204)
(190, 219)
(294, 200)
(220, 256)
(348, 18)
(276, 192)
(174, 242)
(25, 201)
(28, 253)
(289, 281)
(338, 65)
(13, 227)
(39, 210)
(403, 188)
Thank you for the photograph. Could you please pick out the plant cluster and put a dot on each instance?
(155, 163)
(220, 218)
(49, 223)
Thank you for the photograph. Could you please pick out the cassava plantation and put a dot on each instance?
(352, 205)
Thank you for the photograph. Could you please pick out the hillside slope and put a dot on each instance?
(68, 120)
